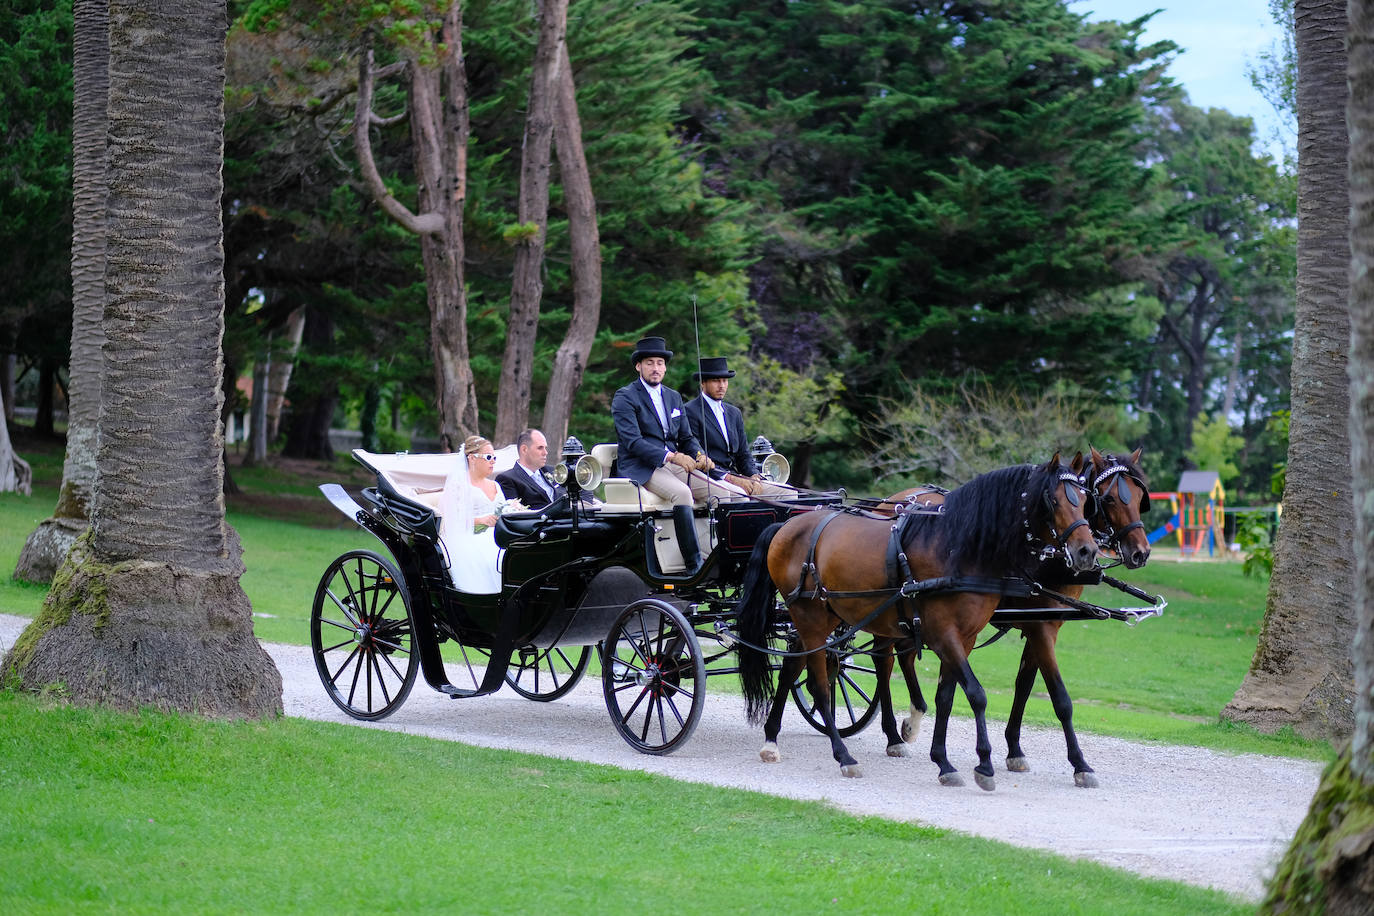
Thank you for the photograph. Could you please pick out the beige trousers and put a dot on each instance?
(681, 489)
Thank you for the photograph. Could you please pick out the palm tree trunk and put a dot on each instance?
(1329, 866)
(1302, 674)
(50, 541)
(147, 609)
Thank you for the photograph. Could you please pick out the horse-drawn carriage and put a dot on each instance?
(581, 578)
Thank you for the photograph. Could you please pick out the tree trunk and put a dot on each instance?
(7, 386)
(15, 474)
(312, 411)
(439, 125)
(570, 363)
(1361, 370)
(43, 426)
(1329, 867)
(527, 285)
(50, 541)
(1302, 673)
(283, 360)
(147, 609)
(257, 414)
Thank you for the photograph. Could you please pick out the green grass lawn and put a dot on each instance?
(152, 813)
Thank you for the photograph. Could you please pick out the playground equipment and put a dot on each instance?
(1196, 513)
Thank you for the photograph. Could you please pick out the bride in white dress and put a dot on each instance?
(468, 509)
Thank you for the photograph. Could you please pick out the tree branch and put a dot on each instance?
(419, 224)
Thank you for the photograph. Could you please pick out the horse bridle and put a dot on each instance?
(1111, 538)
(1061, 539)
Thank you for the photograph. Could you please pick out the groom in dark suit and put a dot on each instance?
(656, 446)
(528, 480)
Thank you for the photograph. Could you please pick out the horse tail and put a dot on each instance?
(752, 618)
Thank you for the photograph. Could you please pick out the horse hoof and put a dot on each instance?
(898, 750)
(911, 727)
(851, 771)
(952, 780)
(1085, 780)
(769, 753)
(986, 783)
(1018, 764)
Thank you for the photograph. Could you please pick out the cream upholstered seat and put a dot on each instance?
(624, 496)
(421, 477)
(621, 493)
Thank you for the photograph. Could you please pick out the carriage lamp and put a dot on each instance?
(772, 466)
(579, 467)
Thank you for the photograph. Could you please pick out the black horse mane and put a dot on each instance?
(981, 529)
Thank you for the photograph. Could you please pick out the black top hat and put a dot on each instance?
(713, 367)
(651, 346)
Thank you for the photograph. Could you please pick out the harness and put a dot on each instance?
(903, 589)
(1111, 538)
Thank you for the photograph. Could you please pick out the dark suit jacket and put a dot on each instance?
(643, 443)
(735, 458)
(516, 484)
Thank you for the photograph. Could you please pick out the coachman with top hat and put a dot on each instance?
(656, 447)
(719, 427)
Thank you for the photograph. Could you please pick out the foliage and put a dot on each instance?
(1275, 77)
(1224, 281)
(35, 177)
(922, 183)
(1278, 427)
(1215, 444)
(1254, 537)
(948, 436)
(785, 406)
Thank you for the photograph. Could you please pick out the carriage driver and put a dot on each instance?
(656, 447)
(719, 427)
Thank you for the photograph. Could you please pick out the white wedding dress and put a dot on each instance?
(474, 559)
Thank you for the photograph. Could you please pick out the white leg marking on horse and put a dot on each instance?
(911, 727)
(769, 753)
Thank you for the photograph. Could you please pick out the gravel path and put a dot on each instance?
(1181, 813)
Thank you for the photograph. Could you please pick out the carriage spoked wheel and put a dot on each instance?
(653, 676)
(547, 674)
(362, 635)
(853, 681)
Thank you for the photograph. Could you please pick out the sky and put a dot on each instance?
(1218, 39)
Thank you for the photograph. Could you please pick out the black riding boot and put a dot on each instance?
(686, 530)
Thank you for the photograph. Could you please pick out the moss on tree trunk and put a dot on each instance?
(133, 634)
(1329, 866)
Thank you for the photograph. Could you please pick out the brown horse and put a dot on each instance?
(833, 568)
(1121, 494)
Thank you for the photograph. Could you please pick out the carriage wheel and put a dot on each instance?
(852, 681)
(547, 674)
(654, 677)
(362, 635)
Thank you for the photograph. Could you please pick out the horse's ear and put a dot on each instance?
(1052, 463)
(1077, 464)
(1135, 455)
(1097, 456)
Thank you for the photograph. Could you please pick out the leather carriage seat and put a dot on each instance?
(621, 493)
